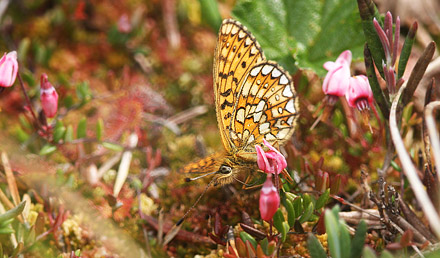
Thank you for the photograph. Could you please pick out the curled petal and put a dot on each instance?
(344, 58)
(262, 161)
(8, 69)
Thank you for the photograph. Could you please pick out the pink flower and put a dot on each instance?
(337, 79)
(272, 161)
(124, 25)
(8, 69)
(359, 92)
(48, 96)
(269, 199)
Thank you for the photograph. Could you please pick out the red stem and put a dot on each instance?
(28, 101)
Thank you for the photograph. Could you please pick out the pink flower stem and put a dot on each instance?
(28, 101)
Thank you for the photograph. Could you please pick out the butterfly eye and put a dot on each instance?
(225, 169)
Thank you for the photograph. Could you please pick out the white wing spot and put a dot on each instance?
(280, 110)
(254, 50)
(258, 82)
(290, 120)
(266, 85)
(264, 128)
(287, 92)
(240, 115)
(234, 30)
(283, 80)
(269, 137)
(290, 106)
(274, 112)
(276, 73)
(229, 28)
(245, 134)
(267, 69)
(260, 106)
(241, 34)
(251, 139)
(283, 133)
(259, 111)
(248, 42)
(277, 97)
(255, 71)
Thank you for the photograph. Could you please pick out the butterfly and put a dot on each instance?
(254, 98)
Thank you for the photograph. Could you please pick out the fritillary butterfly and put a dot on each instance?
(255, 100)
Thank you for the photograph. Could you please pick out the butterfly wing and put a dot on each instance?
(236, 53)
(266, 107)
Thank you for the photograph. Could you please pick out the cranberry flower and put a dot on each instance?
(359, 93)
(8, 69)
(269, 199)
(337, 79)
(48, 96)
(272, 161)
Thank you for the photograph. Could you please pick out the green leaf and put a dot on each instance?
(307, 213)
(59, 131)
(386, 254)
(308, 32)
(99, 129)
(368, 11)
(6, 223)
(81, 129)
(21, 135)
(12, 213)
(24, 122)
(284, 230)
(307, 199)
(278, 220)
(264, 245)
(245, 236)
(406, 50)
(68, 137)
(333, 232)
(83, 91)
(322, 200)
(368, 252)
(6, 231)
(112, 146)
(358, 240)
(291, 216)
(210, 13)
(379, 96)
(315, 248)
(28, 77)
(47, 149)
(297, 205)
(345, 240)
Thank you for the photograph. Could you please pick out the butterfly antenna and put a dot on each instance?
(195, 203)
(243, 183)
(189, 179)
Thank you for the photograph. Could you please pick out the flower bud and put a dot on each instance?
(269, 199)
(48, 96)
(8, 69)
